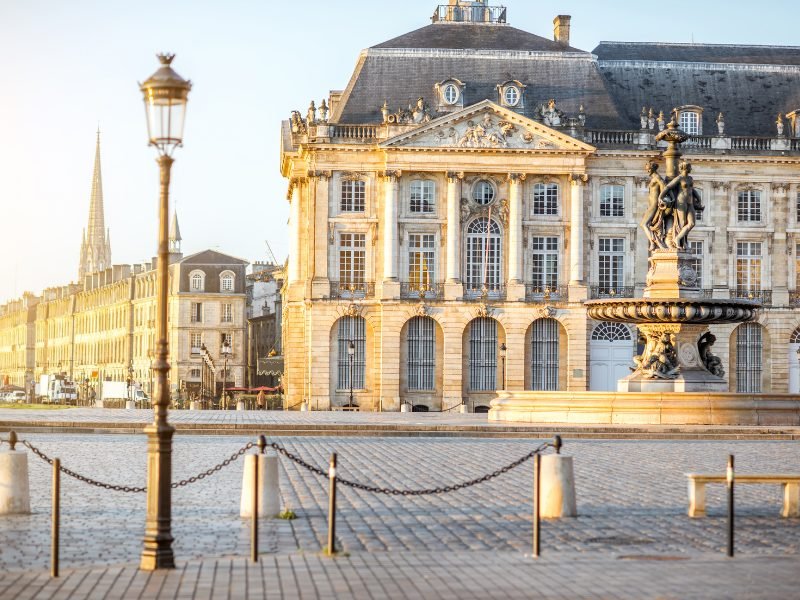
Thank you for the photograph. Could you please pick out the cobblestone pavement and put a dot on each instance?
(631, 500)
(415, 575)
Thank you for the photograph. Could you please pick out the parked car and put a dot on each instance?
(17, 396)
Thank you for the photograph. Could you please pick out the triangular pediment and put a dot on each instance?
(487, 126)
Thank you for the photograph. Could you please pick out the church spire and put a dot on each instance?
(96, 244)
(174, 234)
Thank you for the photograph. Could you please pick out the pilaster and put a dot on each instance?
(515, 289)
(320, 284)
(780, 267)
(453, 289)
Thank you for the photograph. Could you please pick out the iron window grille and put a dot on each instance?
(483, 354)
(544, 355)
(749, 346)
(421, 354)
(352, 329)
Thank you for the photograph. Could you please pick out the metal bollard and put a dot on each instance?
(557, 444)
(537, 462)
(332, 507)
(730, 478)
(54, 542)
(262, 444)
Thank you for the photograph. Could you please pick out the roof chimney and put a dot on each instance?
(561, 29)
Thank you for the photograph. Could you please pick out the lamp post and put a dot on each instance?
(351, 353)
(226, 352)
(165, 95)
(130, 381)
(503, 360)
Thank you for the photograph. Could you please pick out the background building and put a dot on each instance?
(475, 183)
(264, 320)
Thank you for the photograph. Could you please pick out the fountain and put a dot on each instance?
(677, 379)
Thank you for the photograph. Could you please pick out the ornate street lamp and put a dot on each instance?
(165, 95)
(351, 353)
(503, 349)
(226, 352)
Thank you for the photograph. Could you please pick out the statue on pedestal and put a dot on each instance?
(682, 200)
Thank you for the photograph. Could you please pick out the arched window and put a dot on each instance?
(352, 329)
(749, 347)
(545, 199)
(484, 256)
(483, 354)
(795, 337)
(198, 281)
(226, 281)
(611, 332)
(544, 355)
(689, 122)
(421, 354)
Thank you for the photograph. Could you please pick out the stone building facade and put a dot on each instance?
(443, 250)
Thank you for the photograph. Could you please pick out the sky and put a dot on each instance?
(71, 66)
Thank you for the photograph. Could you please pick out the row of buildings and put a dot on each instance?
(473, 184)
(224, 319)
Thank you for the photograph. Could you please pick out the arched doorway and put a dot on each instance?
(749, 357)
(794, 362)
(350, 346)
(545, 352)
(421, 359)
(611, 351)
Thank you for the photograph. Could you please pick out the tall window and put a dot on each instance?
(696, 262)
(421, 259)
(483, 354)
(611, 266)
(544, 355)
(353, 196)
(612, 201)
(226, 282)
(484, 255)
(690, 122)
(196, 341)
(352, 329)
(226, 337)
(748, 207)
(422, 196)
(197, 282)
(352, 258)
(748, 266)
(797, 203)
(197, 312)
(545, 263)
(227, 313)
(421, 354)
(748, 358)
(545, 199)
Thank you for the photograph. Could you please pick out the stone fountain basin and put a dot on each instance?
(694, 311)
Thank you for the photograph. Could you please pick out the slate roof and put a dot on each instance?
(475, 36)
(212, 257)
(750, 85)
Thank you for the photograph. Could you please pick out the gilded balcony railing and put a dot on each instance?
(350, 289)
(483, 292)
(763, 296)
(605, 291)
(537, 294)
(421, 291)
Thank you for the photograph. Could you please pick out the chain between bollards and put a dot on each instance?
(56, 517)
(262, 444)
(331, 550)
(730, 478)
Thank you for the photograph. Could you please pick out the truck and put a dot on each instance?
(118, 390)
(57, 388)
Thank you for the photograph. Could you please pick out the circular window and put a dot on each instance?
(511, 95)
(450, 94)
(483, 193)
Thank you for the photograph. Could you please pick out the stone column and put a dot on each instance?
(576, 280)
(320, 285)
(516, 287)
(453, 288)
(295, 231)
(391, 282)
(780, 265)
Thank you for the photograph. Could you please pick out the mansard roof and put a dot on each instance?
(472, 36)
(212, 257)
(750, 85)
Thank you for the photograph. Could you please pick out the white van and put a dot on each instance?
(17, 396)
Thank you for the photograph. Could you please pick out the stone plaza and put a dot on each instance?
(631, 533)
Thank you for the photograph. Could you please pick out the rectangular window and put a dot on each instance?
(352, 258)
(611, 266)
(545, 199)
(749, 206)
(690, 122)
(353, 196)
(226, 337)
(352, 329)
(422, 196)
(696, 262)
(483, 354)
(227, 313)
(748, 266)
(197, 312)
(196, 341)
(421, 354)
(194, 373)
(612, 201)
(421, 260)
(545, 263)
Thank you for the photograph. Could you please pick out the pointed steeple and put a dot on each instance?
(96, 245)
(175, 236)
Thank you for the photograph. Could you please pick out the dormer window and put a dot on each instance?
(226, 281)
(450, 94)
(510, 94)
(690, 119)
(197, 281)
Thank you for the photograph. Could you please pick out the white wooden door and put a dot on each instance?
(611, 350)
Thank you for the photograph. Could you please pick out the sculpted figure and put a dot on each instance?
(659, 360)
(551, 116)
(710, 361)
(686, 202)
(419, 113)
(653, 222)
